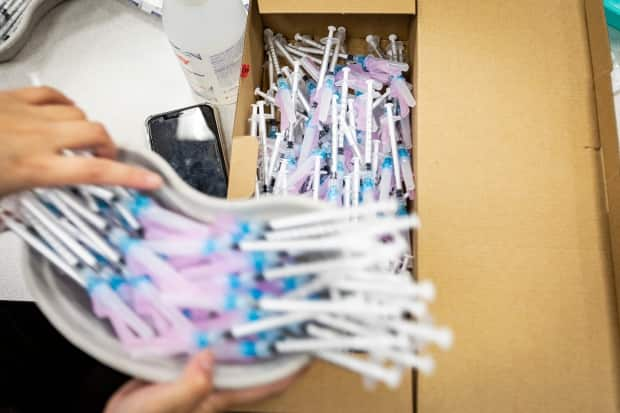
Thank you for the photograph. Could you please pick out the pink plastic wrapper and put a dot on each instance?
(324, 100)
(360, 114)
(125, 322)
(222, 285)
(161, 346)
(155, 233)
(199, 315)
(375, 64)
(166, 319)
(149, 311)
(160, 231)
(223, 263)
(162, 219)
(348, 157)
(143, 261)
(211, 299)
(356, 68)
(311, 135)
(384, 78)
(405, 129)
(181, 263)
(284, 101)
(222, 321)
(230, 352)
(384, 132)
(323, 189)
(400, 90)
(303, 171)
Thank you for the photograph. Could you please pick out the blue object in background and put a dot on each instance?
(612, 13)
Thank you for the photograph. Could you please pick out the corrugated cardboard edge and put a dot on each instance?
(244, 149)
(608, 133)
(242, 162)
(413, 55)
(601, 71)
(252, 63)
(338, 6)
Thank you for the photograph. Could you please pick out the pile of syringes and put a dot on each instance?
(333, 125)
(11, 11)
(323, 283)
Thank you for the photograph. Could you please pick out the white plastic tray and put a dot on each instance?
(67, 305)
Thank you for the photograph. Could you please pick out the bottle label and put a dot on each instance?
(227, 63)
(215, 77)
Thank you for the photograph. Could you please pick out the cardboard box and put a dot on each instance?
(520, 213)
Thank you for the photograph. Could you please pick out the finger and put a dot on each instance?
(122, 393)
(105, 151)
(82, 135)
(130, 387)
(197, 380)
(43, 95)
(60, 112)
(223, 400)
(63, 170)
(182, 395)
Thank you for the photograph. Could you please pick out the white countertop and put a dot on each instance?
(115, 62)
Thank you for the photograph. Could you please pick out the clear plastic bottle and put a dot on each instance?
(207, 38)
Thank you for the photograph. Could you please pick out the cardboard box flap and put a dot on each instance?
(599, 40)
(338, 6)
(252, 67)
(601, 68)
(514, 231)
(607, 126)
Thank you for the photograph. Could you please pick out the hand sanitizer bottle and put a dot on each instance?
(207, 39)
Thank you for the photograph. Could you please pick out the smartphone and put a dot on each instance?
(190, 140)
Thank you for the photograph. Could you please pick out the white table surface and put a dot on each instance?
(113, 61)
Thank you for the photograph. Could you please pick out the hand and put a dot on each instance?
(36, 124)
(191, 393)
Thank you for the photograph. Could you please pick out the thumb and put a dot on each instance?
(195, 383)
(188, 391)
(197, 377)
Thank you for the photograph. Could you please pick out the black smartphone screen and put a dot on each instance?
(189, 140)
